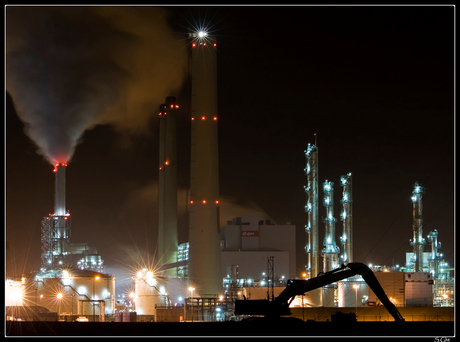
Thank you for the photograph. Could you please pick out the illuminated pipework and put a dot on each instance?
(417, 240)
(347, 218)
(167, 185)
(330, 251)
(311, 208)
(435, 258)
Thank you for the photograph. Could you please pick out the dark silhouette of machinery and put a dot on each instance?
(280, 305)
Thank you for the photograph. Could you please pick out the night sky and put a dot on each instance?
(375, 83)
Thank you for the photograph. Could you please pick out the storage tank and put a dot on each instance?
(149, 293)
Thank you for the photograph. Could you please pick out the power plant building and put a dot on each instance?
(248, 242)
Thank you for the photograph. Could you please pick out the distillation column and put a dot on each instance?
(417, 241)
(330, 251)
(167, 186)
(204, 266)
(311, 208)
(347, 218)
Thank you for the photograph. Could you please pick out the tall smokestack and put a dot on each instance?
(204, 265)
(59, 189)
(167, 192)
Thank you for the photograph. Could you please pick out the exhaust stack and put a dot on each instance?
(59, 189)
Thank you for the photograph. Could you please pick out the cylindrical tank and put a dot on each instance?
(351, 293)
(328, 296)
(204, 228)
(313, 298)
(149, 293)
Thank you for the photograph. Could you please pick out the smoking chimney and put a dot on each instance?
(59, 189)
(204, 265)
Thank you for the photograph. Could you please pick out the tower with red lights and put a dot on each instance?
(167, 186)
(204, 263)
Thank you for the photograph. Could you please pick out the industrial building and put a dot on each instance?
(249, 257)
(248, 242)
(70, 283)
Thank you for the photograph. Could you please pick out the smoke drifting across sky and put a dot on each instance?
(70, 68)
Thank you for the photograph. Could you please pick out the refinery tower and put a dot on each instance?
(204, 265)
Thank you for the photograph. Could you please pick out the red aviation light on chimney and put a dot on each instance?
(191, 202)
(204, 201)
(172, 106)
(217, 201)
(214, 44)
(160, 113)
(167, 162)
(193, 44)
(177, 106)
(215, 118)
(161, 168)
(203, 118)
(193, 119)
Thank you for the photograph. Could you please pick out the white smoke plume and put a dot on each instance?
(70, 68)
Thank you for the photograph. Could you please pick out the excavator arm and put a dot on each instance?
(280, 306)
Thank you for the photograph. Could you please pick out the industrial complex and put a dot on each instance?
(249, 258)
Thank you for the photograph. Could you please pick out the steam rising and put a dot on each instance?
(72, 68)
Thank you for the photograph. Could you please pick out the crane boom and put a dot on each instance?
(295, 287)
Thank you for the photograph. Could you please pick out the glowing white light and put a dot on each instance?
(414, 198)
(149, 274)
(162, 290)
(202, 34)
(82, 290)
